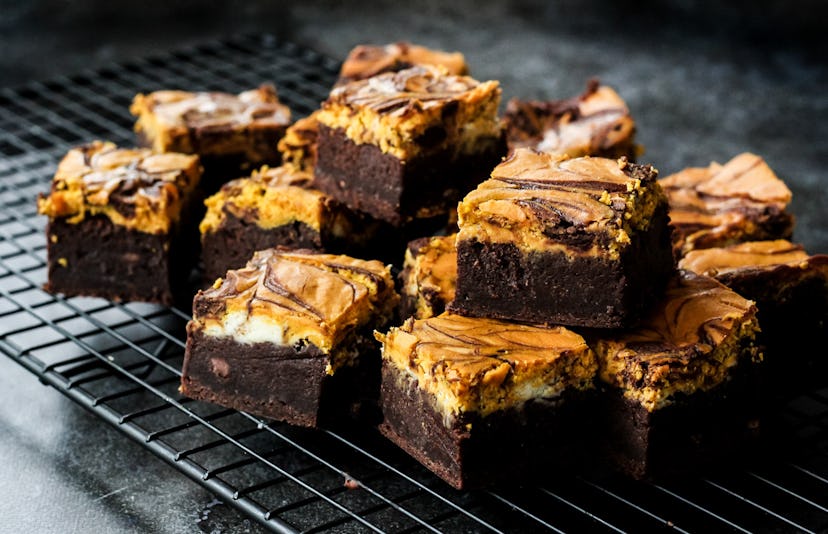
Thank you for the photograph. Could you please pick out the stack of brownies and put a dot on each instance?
(542, 318)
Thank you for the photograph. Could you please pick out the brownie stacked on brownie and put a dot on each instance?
(790, 289)
(118, 221)
(298, 146)
(276, 207)
(718, 205)
(404, 147)
(460, 394)
(232, 134)
(595, 123)
(583, 242)
(289, 336)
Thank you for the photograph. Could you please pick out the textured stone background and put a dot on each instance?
(704, 80)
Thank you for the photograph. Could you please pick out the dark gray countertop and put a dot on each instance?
(704, 83)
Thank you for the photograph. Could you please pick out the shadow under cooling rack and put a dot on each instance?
(122, 361)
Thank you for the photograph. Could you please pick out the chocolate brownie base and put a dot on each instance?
(365, 179)
(513, 447)
(235, 241)
(699, 431)
(99, 259)
(500, 281)
(281, 383)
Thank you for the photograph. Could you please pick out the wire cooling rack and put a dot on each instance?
(122, 361)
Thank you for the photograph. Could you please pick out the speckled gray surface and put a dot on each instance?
(704, 82)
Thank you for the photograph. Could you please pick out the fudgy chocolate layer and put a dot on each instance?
(233, 244)
(699, 430)
(365, 179)
(499, 280)
(513, 447)
(100, 259)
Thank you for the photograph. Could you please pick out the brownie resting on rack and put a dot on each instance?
(233, 134)
(790, 288)
(277, 207)
(682, 388)
(289, 337)
(481, 401)
(595, 123)
(118, 223)
(406, 146)
(580, 242)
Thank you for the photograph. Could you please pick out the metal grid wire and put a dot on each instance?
(122, 361)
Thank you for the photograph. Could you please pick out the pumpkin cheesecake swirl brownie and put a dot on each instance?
(298, 146)
(582, 242)
(231, 133)
(456, 390)
(595, 123)
(790, 288)
(276, 207)
(407, 145)
(117, 219)
(289, 336)
(719, 205)
(683, 384)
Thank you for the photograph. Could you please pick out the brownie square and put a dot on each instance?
(581, 242)
(298, 146)
(719, 205)
(407, 145)
(790, 289)
(118, 223)
(480, 401)
(289, 337)
(682, 388)
(595, 123)
(429, 276)
(277, 207)
(232, 134)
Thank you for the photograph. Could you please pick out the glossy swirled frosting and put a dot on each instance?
(414, 110)
(298, 146)
(293, 298)
(596, 123)
(539, 201)
(750, 255)
(722, 204)
(269, 198)
(430, 270)
(484, 365)
(690, 342)
(134, 188)
(365, 61)
(167, 118)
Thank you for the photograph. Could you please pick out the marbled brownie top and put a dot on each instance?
(596, 123)
(485, 365)
(177, 120)
(365, 61)
(270, 197)
(719, 205)
(134, 188)
(583, 206)
(691, 341)
(415, 110)
(296, 297)
(429, 275)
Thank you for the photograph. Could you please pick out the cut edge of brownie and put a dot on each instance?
(545, 281)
